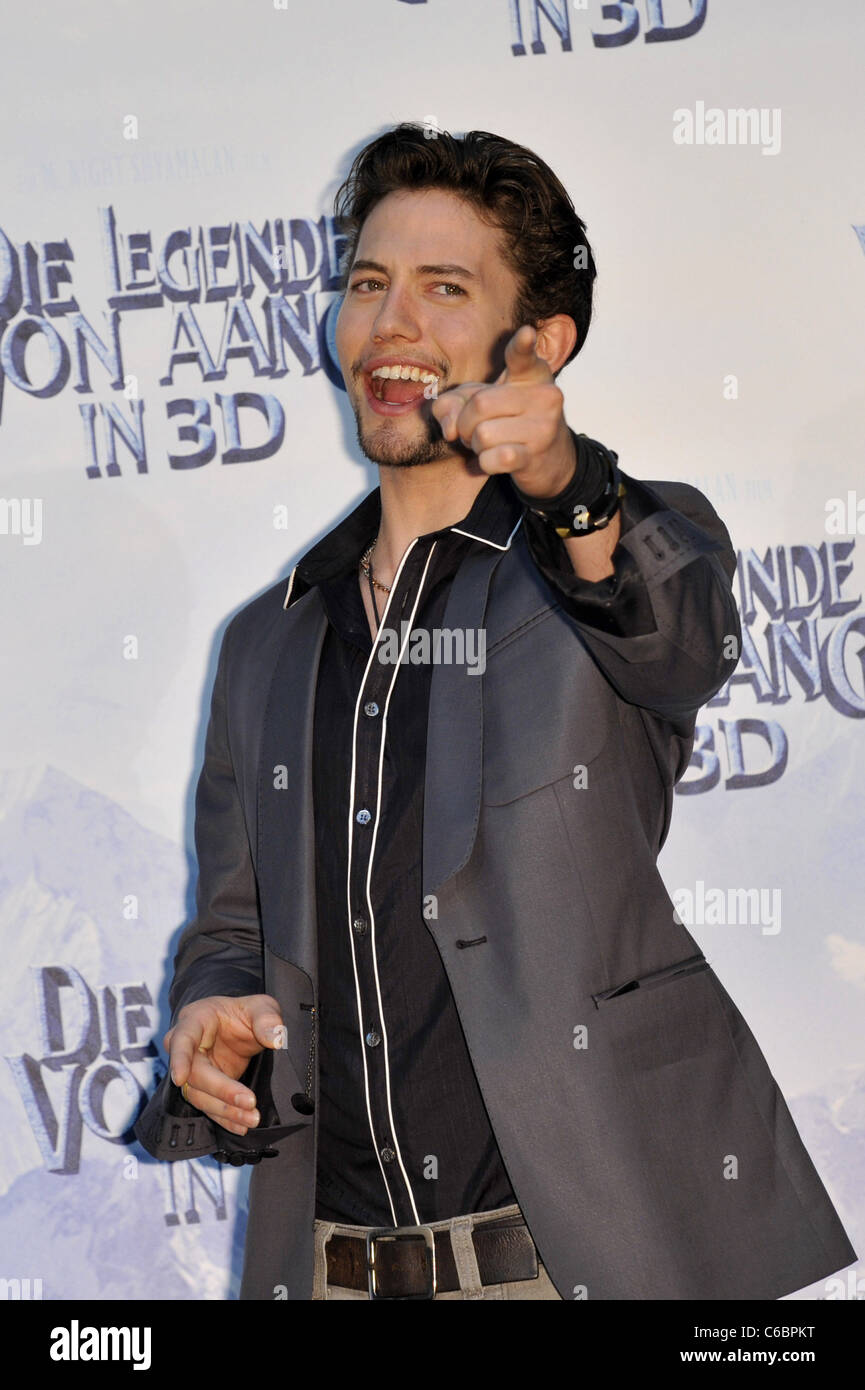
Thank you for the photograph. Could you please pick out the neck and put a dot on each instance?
(416, 500)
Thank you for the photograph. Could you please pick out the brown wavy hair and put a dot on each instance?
(509, 186)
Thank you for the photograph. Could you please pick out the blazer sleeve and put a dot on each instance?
(220, 950)
(664, 628)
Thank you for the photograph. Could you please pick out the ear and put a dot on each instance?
(557, 337)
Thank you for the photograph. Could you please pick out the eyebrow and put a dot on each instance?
(458, 271)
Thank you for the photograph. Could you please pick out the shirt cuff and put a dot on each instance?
(618, 604)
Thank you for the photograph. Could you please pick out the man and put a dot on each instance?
(435, 978)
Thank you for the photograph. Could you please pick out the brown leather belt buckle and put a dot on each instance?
(401, 1233)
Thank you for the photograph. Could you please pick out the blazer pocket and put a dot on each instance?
(690, 966)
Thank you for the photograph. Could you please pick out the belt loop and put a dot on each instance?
(465, 1257)
(323, 1232)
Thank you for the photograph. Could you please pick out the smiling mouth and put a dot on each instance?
(402, 384)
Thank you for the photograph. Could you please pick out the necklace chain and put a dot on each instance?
(367, 568)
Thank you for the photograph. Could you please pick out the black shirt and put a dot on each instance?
(404, 1136)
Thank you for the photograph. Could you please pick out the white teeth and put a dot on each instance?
(405, 373)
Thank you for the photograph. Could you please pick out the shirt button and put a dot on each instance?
(363, 817)
(373, 1038)
(361, 926)
(388, 1154)
(370, 708)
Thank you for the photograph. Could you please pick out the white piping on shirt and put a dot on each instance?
(351, 794)
(408, 629)
(290, 586)
(486, 539)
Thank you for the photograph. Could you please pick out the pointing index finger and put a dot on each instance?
(522, 362)
(447, 407)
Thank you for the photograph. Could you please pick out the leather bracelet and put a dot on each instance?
(569, 512)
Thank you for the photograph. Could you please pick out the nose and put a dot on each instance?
(396, 317)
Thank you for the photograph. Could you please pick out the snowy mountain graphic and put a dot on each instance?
(118, 1225)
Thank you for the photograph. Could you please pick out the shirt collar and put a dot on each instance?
(492, 520)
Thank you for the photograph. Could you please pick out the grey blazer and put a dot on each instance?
(647, 1142)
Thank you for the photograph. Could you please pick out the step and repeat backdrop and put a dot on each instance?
(174, 433)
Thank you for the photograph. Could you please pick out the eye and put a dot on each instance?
(357, 284)
(449, 286)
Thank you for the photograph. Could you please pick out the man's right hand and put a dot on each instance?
(210, 1046)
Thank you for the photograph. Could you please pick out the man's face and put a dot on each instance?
(428, 291)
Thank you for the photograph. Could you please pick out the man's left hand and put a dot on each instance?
(516, 424)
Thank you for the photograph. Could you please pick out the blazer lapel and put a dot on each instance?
(454, 757)
(286, 831)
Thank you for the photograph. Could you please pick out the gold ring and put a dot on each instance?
(183, 1091)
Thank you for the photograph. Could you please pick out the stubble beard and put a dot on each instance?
(388, 447)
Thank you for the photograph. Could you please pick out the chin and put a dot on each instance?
(405, 457)
(391, 449)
